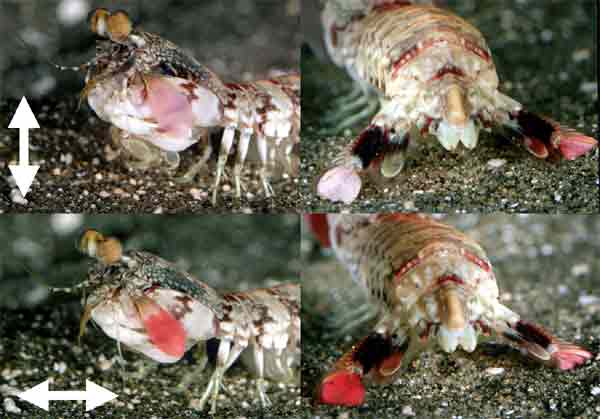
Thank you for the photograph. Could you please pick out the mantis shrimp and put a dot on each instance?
(152, 307)
(432, 73)
(434, 287)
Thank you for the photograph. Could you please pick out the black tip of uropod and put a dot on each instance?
(370, 144)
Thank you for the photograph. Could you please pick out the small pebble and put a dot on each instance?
(104, 364)
(494, 371)
(496, 163)
(196, 194)
(66, 158)
(409, 205)
(60, 367)
(17, 198)
(10, 406)
(194, 404)
(586, 300)
(581, 269)
(408, 411)
(588, 87)
(581, 54)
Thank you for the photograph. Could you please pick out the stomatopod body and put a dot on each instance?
(431, 73)
(152, 307)
(434, 287)
(161, 101)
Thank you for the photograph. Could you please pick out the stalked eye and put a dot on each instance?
(119, 26)
(98, 21)
(106, 250)
(89, 242)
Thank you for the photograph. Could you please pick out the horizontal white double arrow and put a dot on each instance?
(94, 395)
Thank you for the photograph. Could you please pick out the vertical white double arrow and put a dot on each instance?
(94, 395)
(23, 173)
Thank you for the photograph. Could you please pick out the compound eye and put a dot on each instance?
(119, 26)
(98, 21)
(107, 250)
(89, 242)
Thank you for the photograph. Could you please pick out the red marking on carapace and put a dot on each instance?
(477, 50)
(391, 6)
(320, 227)
(428, 43)
(400, 272)
(448, 69)
(343, 388)
(477, 260)
(407, 57)
(449, 278)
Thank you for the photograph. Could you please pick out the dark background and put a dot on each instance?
(544, 53)
(238, 39)
(39, 331)
(548, 271)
